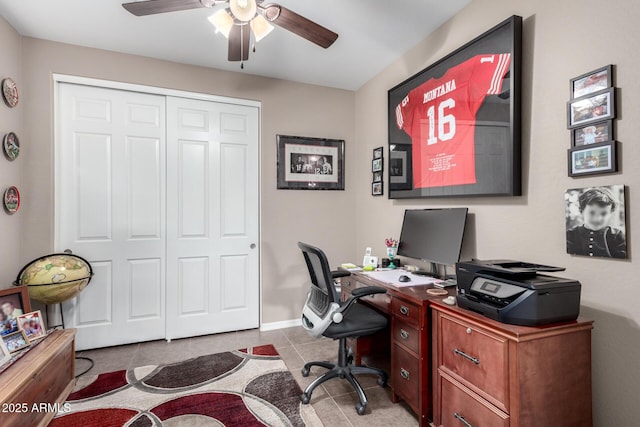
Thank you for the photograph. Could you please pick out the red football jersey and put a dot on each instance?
(440, 117)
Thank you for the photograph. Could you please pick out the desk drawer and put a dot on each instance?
(406, 334)
(477, 358)
(460, 409)
(406, 311)
(405, 375)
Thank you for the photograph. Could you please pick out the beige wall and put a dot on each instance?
(287, 108)
(562, 39)
(11, 172)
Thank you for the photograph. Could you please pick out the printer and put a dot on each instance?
(516, 292)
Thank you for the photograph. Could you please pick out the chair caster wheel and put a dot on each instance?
(304, 398)
(361, 408)
(382, 382)
(305, 372)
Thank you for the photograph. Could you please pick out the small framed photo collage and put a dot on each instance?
(377, 167)
(591, 112)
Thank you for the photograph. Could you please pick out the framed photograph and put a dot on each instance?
(400, 167)
(591, 82)
(14, 302)
(460, 120)
(310, 163)
(596, 221)
(377, 153)
(5, 356)
(33, 325)
(12, 199)
(377, 177)
(376, 165)
(11, 145)
(593, 159)
(592, 108)
(592, 134)
(377, 189)
(15, 341)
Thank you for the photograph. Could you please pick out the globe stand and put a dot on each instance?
(61, 326)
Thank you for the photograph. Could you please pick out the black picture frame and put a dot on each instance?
(491, 163)
(591, 82)
(377, 165)
(377, 188)
(593, 133)
(378, 152)
(592, 159)
(300, 163)
(592, 108)
(377, 176)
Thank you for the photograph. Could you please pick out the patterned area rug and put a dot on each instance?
(248, 387)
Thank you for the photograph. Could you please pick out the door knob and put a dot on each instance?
(252, 246)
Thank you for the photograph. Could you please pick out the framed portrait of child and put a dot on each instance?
(33, 325)
(596, 222)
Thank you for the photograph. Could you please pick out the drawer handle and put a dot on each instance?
(404, 334)
(404, 373)
(404, 310)
(460, 418)
(466, 356)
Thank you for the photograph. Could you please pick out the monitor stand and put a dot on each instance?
(432, 273)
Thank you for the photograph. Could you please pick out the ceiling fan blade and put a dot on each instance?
(239, 43)
(150, 7)
(298, 24)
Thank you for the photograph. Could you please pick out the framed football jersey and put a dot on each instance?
(454, 128)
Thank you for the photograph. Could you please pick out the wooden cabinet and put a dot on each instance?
(488, 373)
(407, 342)
(43, 377)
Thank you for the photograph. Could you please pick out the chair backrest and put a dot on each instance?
(323, 291)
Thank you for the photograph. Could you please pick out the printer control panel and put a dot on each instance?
(495, 291)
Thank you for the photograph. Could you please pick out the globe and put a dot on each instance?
(55, 278)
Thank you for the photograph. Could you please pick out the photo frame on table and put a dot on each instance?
(593, 159)
(33, 325)
(592, 108)
(592, 133)
(5, 356)
(591, 82)
(461, 143)
(306, 163)
(16, 301)
(15, 341)
(377, 189)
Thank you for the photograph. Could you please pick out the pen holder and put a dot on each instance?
(391, 252)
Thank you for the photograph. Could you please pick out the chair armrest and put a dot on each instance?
(369, 290)
(340, 273)
(356, 294)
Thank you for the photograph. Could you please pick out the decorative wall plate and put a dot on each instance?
(10, 92)
(11, 145)
(12, 199)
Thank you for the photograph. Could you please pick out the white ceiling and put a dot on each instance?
(373, 33)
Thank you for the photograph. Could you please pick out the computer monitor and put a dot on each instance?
(433, 235)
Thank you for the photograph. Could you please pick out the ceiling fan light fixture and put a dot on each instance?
(260, 27)
(222, 21)
(243, 10)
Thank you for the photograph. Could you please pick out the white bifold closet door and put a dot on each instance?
(160, 194)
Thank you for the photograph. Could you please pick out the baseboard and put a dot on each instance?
(272, 326)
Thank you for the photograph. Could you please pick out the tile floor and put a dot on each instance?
(334, 401)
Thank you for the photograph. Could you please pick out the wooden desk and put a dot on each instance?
(43, 377)
(410, 332)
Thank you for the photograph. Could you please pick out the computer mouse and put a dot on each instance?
(404, 278)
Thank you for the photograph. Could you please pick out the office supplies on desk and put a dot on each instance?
(514, 292)
(392, 277)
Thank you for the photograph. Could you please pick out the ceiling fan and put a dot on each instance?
(240, 19)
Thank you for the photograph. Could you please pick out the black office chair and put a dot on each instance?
(324, 314)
